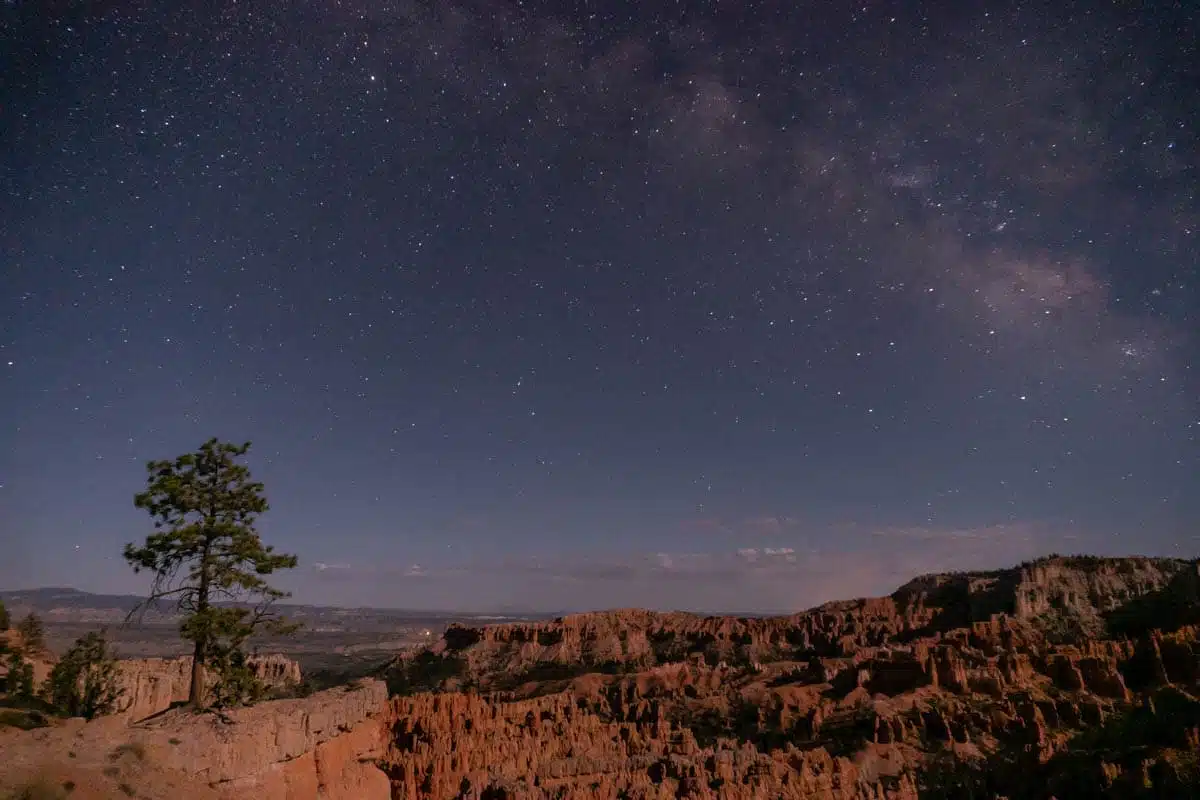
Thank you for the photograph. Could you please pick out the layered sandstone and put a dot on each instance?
(151, 685)
(1062, 678)
(1033, 600)
(323, 746)
(572, 745)
(1065, 677)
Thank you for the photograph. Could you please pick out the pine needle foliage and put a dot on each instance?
(208, 559)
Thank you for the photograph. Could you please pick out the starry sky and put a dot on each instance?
(532, 305)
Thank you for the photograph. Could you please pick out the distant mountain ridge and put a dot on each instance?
(68, 604)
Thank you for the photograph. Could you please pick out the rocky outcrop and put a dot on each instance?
(151, 685)
(1062, 678)
(571, 745)
(1048, 679)
(276, 670)
(323, 746)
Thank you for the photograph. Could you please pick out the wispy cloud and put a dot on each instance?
(1005, 533)
(774, 577)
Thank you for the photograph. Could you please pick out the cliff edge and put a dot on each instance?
(322, 746)
(1062, 677)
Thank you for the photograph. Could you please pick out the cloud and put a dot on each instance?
(1006, 533)
(775, 578)
(748, 553)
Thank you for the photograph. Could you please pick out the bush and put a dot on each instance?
(84, 682)
(235, 684)
(26, 719)
(33, 633)
(4, 620)
(18, 684)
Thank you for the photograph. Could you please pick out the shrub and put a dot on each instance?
(23, 718)
(19, 681)
(33, 632)
(84, 682)
(235, 684)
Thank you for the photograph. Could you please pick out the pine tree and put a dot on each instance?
(206, 555)
(85, 682)
(19, 681)
(4, 620)
(33, 632)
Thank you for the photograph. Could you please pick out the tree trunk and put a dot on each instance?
(196, 693)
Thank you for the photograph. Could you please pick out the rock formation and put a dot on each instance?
(1065, 677)
(151, 685)
(323, 746)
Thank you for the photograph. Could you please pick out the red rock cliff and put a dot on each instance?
(323, 746)
(974, 680)
(151, 685)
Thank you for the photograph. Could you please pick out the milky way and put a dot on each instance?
(551, 306)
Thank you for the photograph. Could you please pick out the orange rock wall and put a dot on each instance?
(152, 685)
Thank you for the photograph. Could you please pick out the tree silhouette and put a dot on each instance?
(207, 557)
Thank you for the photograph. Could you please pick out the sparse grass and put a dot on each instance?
(135, 749)
(41, 789)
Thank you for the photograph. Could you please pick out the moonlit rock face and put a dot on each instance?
(555, 307)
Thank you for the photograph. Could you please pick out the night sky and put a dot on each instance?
(720, 306)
